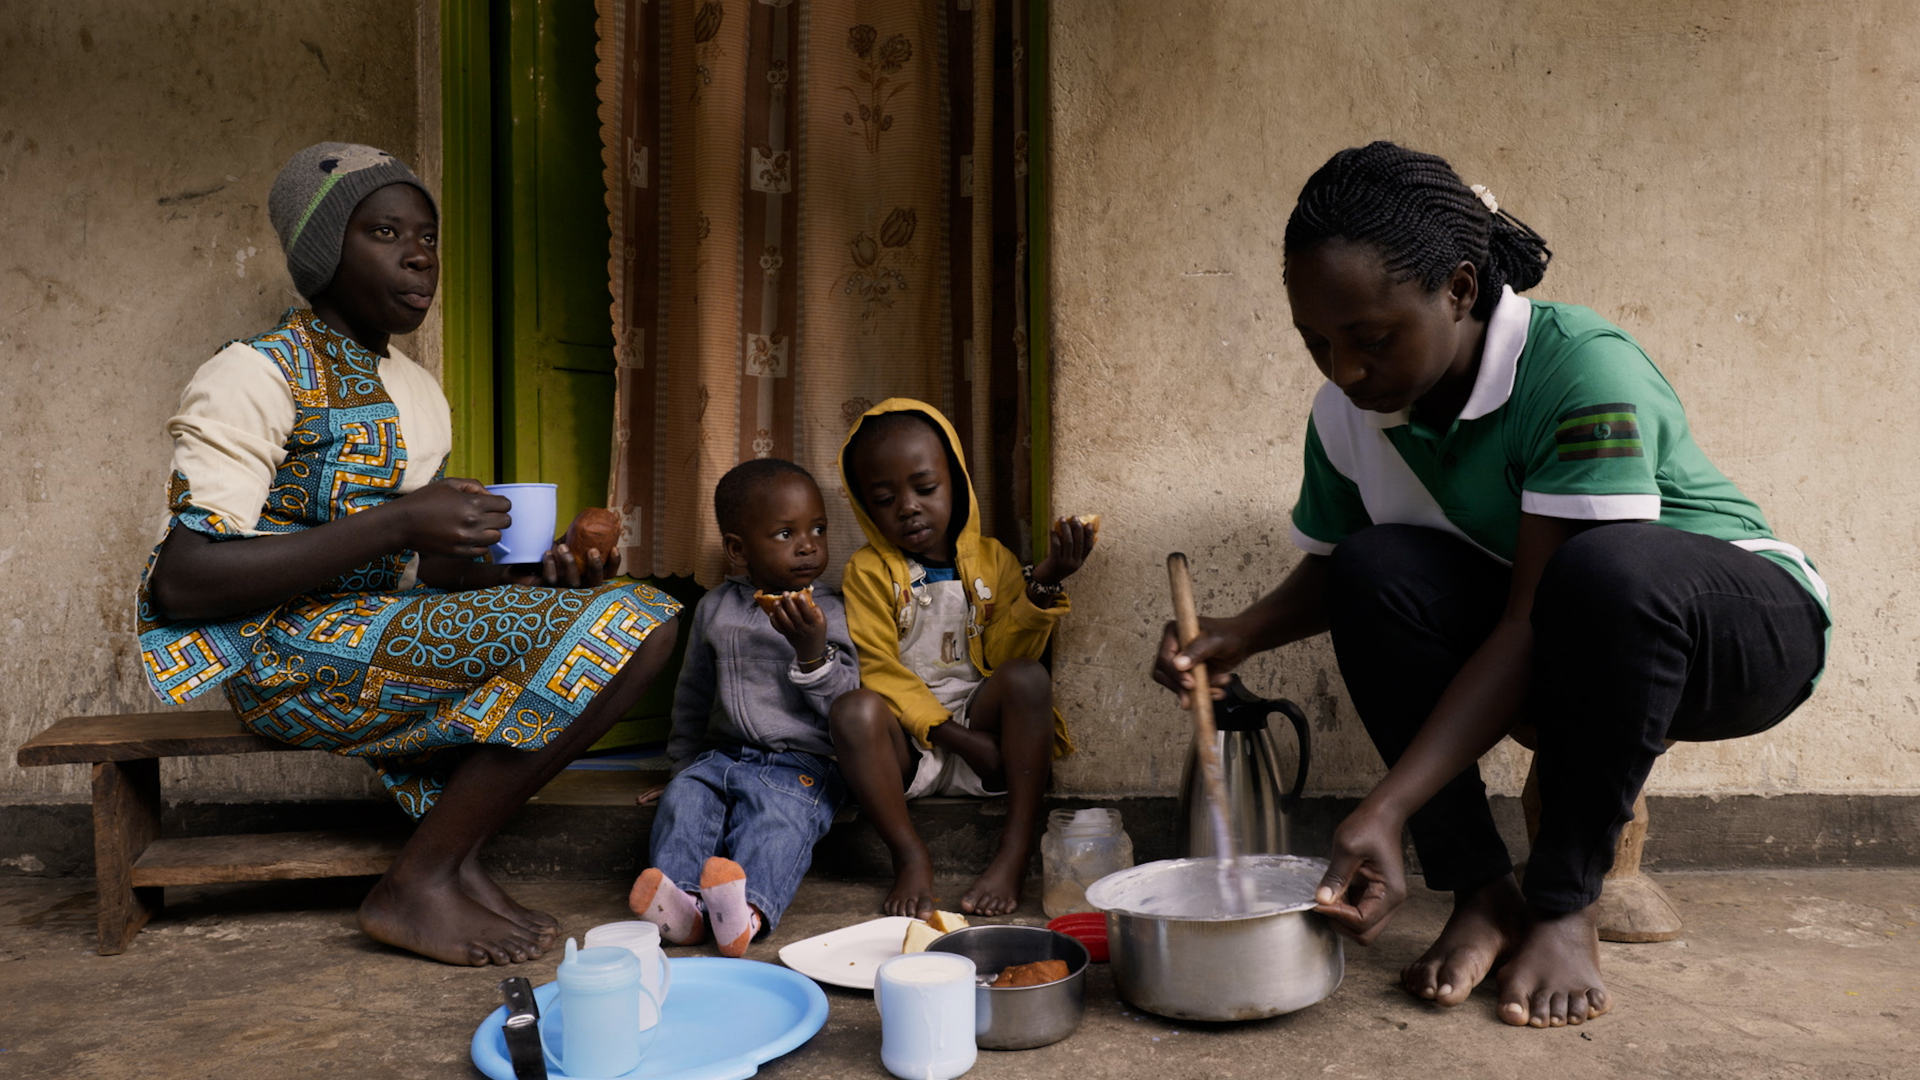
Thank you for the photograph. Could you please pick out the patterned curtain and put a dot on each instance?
(816, 204)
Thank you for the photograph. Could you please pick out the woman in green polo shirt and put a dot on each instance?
(1506, 522)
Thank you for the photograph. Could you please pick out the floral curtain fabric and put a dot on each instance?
(816, 204)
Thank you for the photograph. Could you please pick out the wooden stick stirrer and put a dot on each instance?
(1187, 622)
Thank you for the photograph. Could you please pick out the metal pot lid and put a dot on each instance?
(1189, 889)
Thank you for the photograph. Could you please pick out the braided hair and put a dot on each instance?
(1416, 210)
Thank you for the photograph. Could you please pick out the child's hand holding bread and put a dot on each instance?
(1068, 544)
(800, 621)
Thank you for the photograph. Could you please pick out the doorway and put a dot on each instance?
(528, 361)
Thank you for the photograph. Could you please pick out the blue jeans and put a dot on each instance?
(763, 809)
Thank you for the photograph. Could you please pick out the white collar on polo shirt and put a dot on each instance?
(1499, 361)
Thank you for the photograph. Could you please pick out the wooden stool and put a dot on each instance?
(132, 863)
(1632, 906)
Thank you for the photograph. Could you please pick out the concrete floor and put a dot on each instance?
(1780, 974)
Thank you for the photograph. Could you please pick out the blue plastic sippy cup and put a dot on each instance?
(600, 1011)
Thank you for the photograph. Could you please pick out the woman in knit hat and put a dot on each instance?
(317, 568)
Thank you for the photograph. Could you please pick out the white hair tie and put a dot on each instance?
(1492, 204)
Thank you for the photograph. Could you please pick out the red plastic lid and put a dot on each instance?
(1089, 928)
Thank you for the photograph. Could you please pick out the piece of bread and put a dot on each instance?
(1038, 973)
(594, 529)
(1091, 521)
(768, 601)
(919, 936)
(946, 921)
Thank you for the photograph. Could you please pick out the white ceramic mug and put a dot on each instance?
(641, 938)
(926, 1015)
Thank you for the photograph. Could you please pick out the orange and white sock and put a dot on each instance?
(723, 887)
(667, 906)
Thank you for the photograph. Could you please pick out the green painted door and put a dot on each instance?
(529, 354)
(555, 342)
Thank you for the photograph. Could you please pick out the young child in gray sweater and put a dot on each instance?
(755, 784)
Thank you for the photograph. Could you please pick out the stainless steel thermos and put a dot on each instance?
(1258, 805)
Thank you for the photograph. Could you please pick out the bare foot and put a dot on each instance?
(442, 923)
(912, 884)
(997, 890)
(1553, 977)
(484, 891)
(1486, 924)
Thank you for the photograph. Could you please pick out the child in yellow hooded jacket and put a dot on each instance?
(949, 628)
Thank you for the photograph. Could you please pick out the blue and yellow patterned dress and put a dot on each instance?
(363, 667)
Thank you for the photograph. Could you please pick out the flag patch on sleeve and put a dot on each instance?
(1598, 431)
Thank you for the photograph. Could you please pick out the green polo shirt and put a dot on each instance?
(1568, 418)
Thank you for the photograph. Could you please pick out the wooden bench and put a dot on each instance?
(133, 863)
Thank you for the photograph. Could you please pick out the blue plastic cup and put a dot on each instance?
(534, 508)
(596, 1024)
(553, 1039)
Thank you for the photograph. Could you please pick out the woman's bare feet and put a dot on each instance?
(441, 922)
(912, 884)
(1486, 924)
(1553, 977)
(484, 891)
(997, 890)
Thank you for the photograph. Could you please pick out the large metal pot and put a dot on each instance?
(1176, 951)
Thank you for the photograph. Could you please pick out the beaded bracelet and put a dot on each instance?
(1049, 591)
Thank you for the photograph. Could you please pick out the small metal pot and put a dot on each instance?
(1021, 1017)
(1177, 953)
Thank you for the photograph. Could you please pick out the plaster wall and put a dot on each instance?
(1730, 181)
(1733, 182)
(137, 144)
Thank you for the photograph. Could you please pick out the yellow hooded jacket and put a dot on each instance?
(1003, 623)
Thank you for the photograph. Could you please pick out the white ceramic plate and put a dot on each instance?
(848, 956)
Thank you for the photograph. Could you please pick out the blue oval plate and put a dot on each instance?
(723, 1019)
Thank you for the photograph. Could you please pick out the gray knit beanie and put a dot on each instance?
(316, 193)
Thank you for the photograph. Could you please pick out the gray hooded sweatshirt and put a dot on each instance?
(742, 686)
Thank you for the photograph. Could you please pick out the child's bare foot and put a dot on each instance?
(1553, 977)
(484, 891)
(997, 890)
(442, 923)
(1486, 924)
(912, 884)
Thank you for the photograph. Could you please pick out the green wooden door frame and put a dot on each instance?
(466, 235)
(1039, 298)
(528, 343)
(553, 336)
(479, 361)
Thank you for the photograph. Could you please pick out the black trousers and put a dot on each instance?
(1642, 633)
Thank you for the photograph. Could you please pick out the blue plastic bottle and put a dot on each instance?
(599, 1011)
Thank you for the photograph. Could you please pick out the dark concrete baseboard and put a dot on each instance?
(606, 836)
